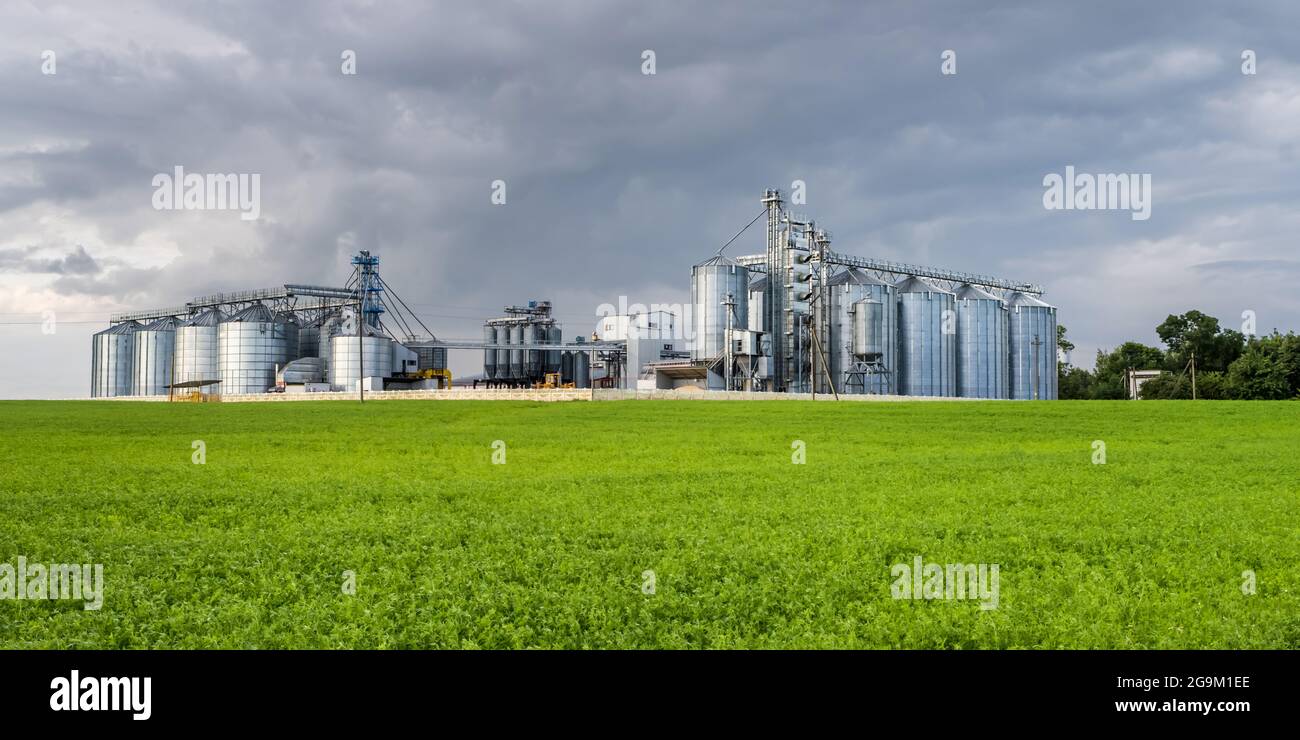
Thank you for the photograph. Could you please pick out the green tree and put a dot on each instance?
(1112, 368)
(1196, 332)
(1268, 369)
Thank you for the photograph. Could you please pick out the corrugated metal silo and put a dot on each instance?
(516, 355)
(309, 340)
(503, 355)
(1032, 345)
(847, 289)
(489, 355)
(927, 339)
(553, 336)
(757, 294)
(352, 357)
(197, 343)
(581, 370)
(982, 344)
(112, 353)
(155, 348)
(292, 332)
(566, 367)
(253, 343)
(711, 282)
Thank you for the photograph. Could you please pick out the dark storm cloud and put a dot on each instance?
(617, 182)
(75, 262)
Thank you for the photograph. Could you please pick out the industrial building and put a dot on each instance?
(796, 318)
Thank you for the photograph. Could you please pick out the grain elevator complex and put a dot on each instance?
(795, 318)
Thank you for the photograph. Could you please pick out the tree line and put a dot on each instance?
(1228, 364)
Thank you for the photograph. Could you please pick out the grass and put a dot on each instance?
(748, 549)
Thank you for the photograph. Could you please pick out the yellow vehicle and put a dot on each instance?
(552, 381)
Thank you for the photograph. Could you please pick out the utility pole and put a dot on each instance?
(729, 306)
(1036, 344)
(1193, 375)
(361, 353)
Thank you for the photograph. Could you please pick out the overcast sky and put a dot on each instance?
(618, 181)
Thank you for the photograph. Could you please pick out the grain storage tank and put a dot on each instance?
(151, 366)
(846, 290)
(309, 339)
(516, 355)
(112, 352)
(868, 330)
(581, 370)
(553, 336)
(927, 339)
(331, 325)
(292, 332)
(351, 357)
(712, 281)
(1032, 345)
(196, 353)
(503, 355)
(533, 334)
(489, 355)
(252, 345)
(982, 349)
(566, 367)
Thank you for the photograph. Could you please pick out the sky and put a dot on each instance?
(617, 181)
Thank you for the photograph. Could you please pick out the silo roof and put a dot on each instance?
(210, 317)
(854, 276)
(1024, 299)
(914, 284)
(969, 292)
(167, 323)
(126, 327)
(719, 260)
(255, 312)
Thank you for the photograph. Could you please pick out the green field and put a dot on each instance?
(748, 549)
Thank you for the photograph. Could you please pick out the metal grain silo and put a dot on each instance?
(581, 370)
(292, 332)
(533, 334)
(982, 344)
(503, 355)
(553, 336)
(516, 355)
(489, 355)
(154, 353)
(566, 366)
(1032, 345)
(868, 330)
(757, 296)
(112, 353)
(352, 357)
(712, 282)
(196, 354)
(847, 289)
(309, 340)
(252, 346)
(927, 339)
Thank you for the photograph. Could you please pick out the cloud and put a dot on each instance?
(75, 262)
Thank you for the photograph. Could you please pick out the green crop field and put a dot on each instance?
(654, 524)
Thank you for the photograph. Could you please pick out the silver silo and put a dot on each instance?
(309, 340)
(566, 367)
(847, 289)
(982, 344)
(1032, 345)
(756, 296)
(503, 355)
(352, 357)
(112, 352)
(927, 339)
(516, 355)
(581, 370)
(489, 355)
(292, 332)
(553, 336)
(868, 330)
(196, 352)
(533, 334)
(331, 325)
(155, 348)
(712, 281)
(252, 346)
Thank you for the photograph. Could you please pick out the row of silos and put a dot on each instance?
(912, 338)
(517, 362)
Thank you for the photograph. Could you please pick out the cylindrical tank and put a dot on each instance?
(309, 340)
(503, 355)
(253, 344)
(292, 331)
(868, 330)
(330, 326)
(581, 370)
(489, 355)
(927, 339)
(533, 334)
(516, 355)
(566, 367)
(112, 353)
(712, 282)
(1032, 348)
(847, 289)
(352, 357)
(151, 367)
(553, 336)
(196, 355)
(982, 350)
